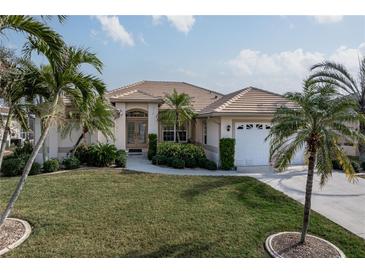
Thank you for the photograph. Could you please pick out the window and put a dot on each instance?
(267, 127)
(168, 133)
(240, 127)
(249, 126)
(259, 126)
(205, 130)
(136, 113)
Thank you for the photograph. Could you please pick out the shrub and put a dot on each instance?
(51, 165)
(12, 166)
(363, 165)
(159, 160)
(121, 158)
(191, 154)
(355, 166)
(71, 163)
(177, 163)
(101, 155)
(152, 145)
(82, 153)
(24, 150)
(336, 165)
(226, 152)
(35, 169)
(210, 165)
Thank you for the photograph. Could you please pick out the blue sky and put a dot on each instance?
(223, 53)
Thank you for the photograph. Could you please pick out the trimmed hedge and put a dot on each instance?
(71, 163)
(121, 158)
(152, 145)
(82, 153)
(226, 152)
(191, 154)
(12, 166)
(51, 165)
(35, 169)
(210, 165)
(355, 165)
(177, 163)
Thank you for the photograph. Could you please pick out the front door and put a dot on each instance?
(136, 134)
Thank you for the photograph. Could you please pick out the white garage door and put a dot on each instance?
(251, 148)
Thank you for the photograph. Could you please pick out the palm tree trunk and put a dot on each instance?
(82, 136)
(5, 136)
(28, 166)
(308, 195)
(177, 137)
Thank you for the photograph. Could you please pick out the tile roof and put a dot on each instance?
(136, 95)
(249, 100)
(4, 110)
(200, 97)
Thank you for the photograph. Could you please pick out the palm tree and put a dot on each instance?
(317, 124)
(60, 80)
(348, 85)
(33, 27)
(14, 93)
(91, 116)
(180, 111)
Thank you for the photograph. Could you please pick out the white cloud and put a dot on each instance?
(115, 30)
(328, 19)
(285, 71)
(183, 23)
(187, 72)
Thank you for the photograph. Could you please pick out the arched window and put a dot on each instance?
(136, 113)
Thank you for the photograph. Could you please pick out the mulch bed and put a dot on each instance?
(10, 232)
(288, 246)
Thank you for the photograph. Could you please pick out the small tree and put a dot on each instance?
(317, 124)
(152, 145)
(180, 111)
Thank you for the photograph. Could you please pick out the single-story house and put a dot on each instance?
(245, 115)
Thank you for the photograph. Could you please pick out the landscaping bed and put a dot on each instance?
(109, 213)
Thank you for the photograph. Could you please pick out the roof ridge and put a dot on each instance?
(238, 95)
(127, 86)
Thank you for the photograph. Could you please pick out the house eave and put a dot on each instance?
(228, 114)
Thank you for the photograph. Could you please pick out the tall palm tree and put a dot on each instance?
(180, 111)
(60, 80)
(348, 85)
(90, 116)
(317, 124)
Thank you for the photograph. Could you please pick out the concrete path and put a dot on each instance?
(339, 200)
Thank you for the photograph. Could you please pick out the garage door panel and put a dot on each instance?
(251, 148)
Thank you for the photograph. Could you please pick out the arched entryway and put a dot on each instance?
(137, 129)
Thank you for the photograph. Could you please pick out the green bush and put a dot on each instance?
(35, 169)
(152, 145)
(51, 165)
(121, 158)
(191, 154)
(177, 163)
(226, 152)
(12, 166)
(71, 163)
(210, 165)
(82, 153)
(24, 150)
(363, 165)
(355, 166)
(336, 165)
(159, 160)
(101, 155)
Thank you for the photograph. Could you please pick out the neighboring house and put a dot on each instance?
(17, 134)
(244, 115)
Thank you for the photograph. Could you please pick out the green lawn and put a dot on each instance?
(106, 213)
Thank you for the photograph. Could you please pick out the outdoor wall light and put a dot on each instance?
(228, 127)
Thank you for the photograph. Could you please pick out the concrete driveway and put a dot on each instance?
(339, 200)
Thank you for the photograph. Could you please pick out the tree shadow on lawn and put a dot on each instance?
(182, 250)
(205, 187)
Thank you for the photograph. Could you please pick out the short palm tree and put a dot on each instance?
(180, 111)
(317, 124)
(348, 85)
(93, 115)
(59, 80)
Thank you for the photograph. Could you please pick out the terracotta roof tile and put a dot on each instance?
(248, 100)
(200, 97)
